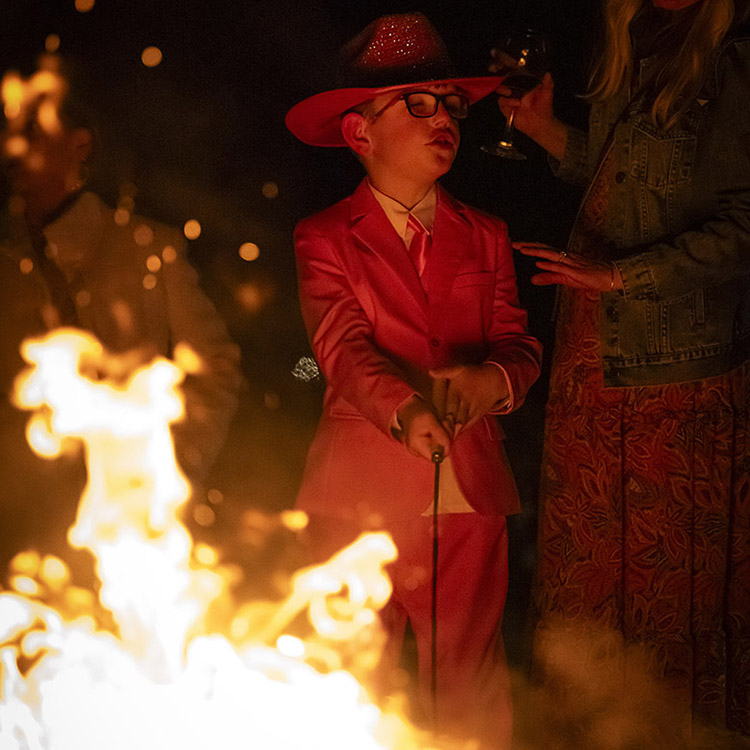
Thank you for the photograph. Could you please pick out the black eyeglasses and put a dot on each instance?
(425, 104)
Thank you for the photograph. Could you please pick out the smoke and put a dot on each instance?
(591, 690)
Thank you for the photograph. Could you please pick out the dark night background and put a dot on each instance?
(203, 132)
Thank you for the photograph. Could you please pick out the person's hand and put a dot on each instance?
(466, 393)
(560, 267)
(422, 433)
(534, 113)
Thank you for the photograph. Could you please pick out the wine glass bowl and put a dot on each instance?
(521, 58)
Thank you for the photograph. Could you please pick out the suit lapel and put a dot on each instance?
(381, 246)
(451, 236)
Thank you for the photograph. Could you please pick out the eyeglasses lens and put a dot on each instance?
(425, 104)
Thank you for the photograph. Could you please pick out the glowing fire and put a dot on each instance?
(157, 678)
(41, 94)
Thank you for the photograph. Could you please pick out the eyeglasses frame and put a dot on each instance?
(439, 99)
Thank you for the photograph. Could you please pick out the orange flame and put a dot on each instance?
(161, 680)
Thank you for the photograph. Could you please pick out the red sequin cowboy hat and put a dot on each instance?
(394, 52)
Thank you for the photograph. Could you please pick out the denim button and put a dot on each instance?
(620, 177)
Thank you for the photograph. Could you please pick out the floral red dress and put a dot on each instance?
(645, 510)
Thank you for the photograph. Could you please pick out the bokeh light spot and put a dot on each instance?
(153, 263)
(24, 585)
(270, 190)
(54, 572)
(52, 43)
(294, 520)
(249, 251)
(250, 297)
(205, 555)
(151, 57)
(84, 6)
(122, 217)
(192, 229)
(12, 91)
(253, 296)
(143, 235)
(26, 563)
(169, 254)
(215, 497)
(149, 281)
(26, 265)
(16, 145)
(204, 515)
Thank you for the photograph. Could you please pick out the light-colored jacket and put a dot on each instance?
(134, 289)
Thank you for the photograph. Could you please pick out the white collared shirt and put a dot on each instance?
(398, 213)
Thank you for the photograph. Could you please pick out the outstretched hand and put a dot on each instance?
(560, 267)
(465, 393)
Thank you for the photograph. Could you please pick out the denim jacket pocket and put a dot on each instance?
(662, 159)
(701, 323)
(662, 170)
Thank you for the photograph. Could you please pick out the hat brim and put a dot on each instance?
(317, 119)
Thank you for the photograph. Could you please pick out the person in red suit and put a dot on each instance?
(409, 299)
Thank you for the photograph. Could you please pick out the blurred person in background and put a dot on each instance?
(67, 259)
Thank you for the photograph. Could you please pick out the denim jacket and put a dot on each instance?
(677, 226)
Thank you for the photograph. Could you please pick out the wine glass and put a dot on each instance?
(521, 58)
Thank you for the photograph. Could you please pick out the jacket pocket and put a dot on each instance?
(684, 326)
(662, 159)
(476, 278)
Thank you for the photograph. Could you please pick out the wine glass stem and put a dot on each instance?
(507, 139)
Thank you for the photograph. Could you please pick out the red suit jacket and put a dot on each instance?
(376, 330)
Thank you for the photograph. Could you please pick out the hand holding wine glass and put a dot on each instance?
(521, 58)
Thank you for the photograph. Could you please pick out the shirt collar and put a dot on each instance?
(398, 214)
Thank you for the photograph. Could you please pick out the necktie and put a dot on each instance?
(420, 243)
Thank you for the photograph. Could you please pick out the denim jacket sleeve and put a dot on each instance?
(574, 165)
(715, 245)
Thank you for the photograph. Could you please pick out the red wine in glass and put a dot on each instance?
(520, 83)
(521, 58)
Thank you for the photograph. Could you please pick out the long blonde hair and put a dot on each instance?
(681, 70)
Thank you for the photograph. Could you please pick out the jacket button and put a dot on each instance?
(620, 177)
(435, 341)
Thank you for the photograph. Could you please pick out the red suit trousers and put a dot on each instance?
(473, 685)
